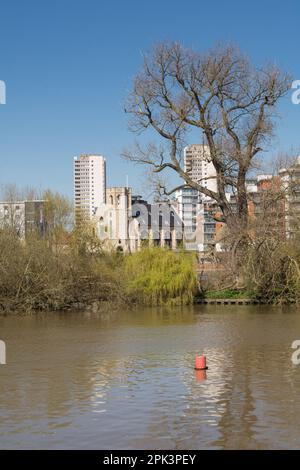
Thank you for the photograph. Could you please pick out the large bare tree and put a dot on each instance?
(221, 94)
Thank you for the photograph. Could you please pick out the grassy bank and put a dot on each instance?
(228, 294)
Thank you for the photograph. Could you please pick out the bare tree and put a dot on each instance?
(58, 211)
(232, 103)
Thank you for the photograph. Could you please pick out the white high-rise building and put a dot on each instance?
(191, 202)
(189, 206)
(89, 184)
(198, 164)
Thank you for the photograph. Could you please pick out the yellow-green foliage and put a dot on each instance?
(157, 276)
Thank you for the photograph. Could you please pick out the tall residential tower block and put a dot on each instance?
(89, 185)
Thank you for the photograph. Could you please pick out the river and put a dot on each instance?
(126, 379)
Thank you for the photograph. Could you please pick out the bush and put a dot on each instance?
(157, 276)
(272, 270)
(38, 275)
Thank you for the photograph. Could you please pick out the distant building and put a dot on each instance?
(266, 201)
(156, 224)
(198, 165)
(112, 218)
(290, 181)
(89, 185)
(23, 217)
(189, 208)
(127, 222)
(209, 225)
(197, 222)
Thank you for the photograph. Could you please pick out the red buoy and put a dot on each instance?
(200, 363)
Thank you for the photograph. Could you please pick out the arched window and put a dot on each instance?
(111, 200)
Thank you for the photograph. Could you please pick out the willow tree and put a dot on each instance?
(230, 101)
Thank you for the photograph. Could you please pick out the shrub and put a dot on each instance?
(157, 276)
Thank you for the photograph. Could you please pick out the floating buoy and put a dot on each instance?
(200, 363)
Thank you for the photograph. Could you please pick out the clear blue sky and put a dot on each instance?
(68, 65)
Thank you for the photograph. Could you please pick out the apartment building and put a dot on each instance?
(290, 181)
(189, 208)
(198, 165)
(89, 185)
(23, 217)
(193, 204)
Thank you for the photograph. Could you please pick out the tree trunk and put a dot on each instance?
(242, 200)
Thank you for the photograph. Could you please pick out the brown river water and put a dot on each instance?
(127, 381)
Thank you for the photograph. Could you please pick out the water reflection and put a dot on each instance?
(200, 375)
(127, 379)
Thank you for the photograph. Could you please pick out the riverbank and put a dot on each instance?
(42, 275)
(73, 271)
